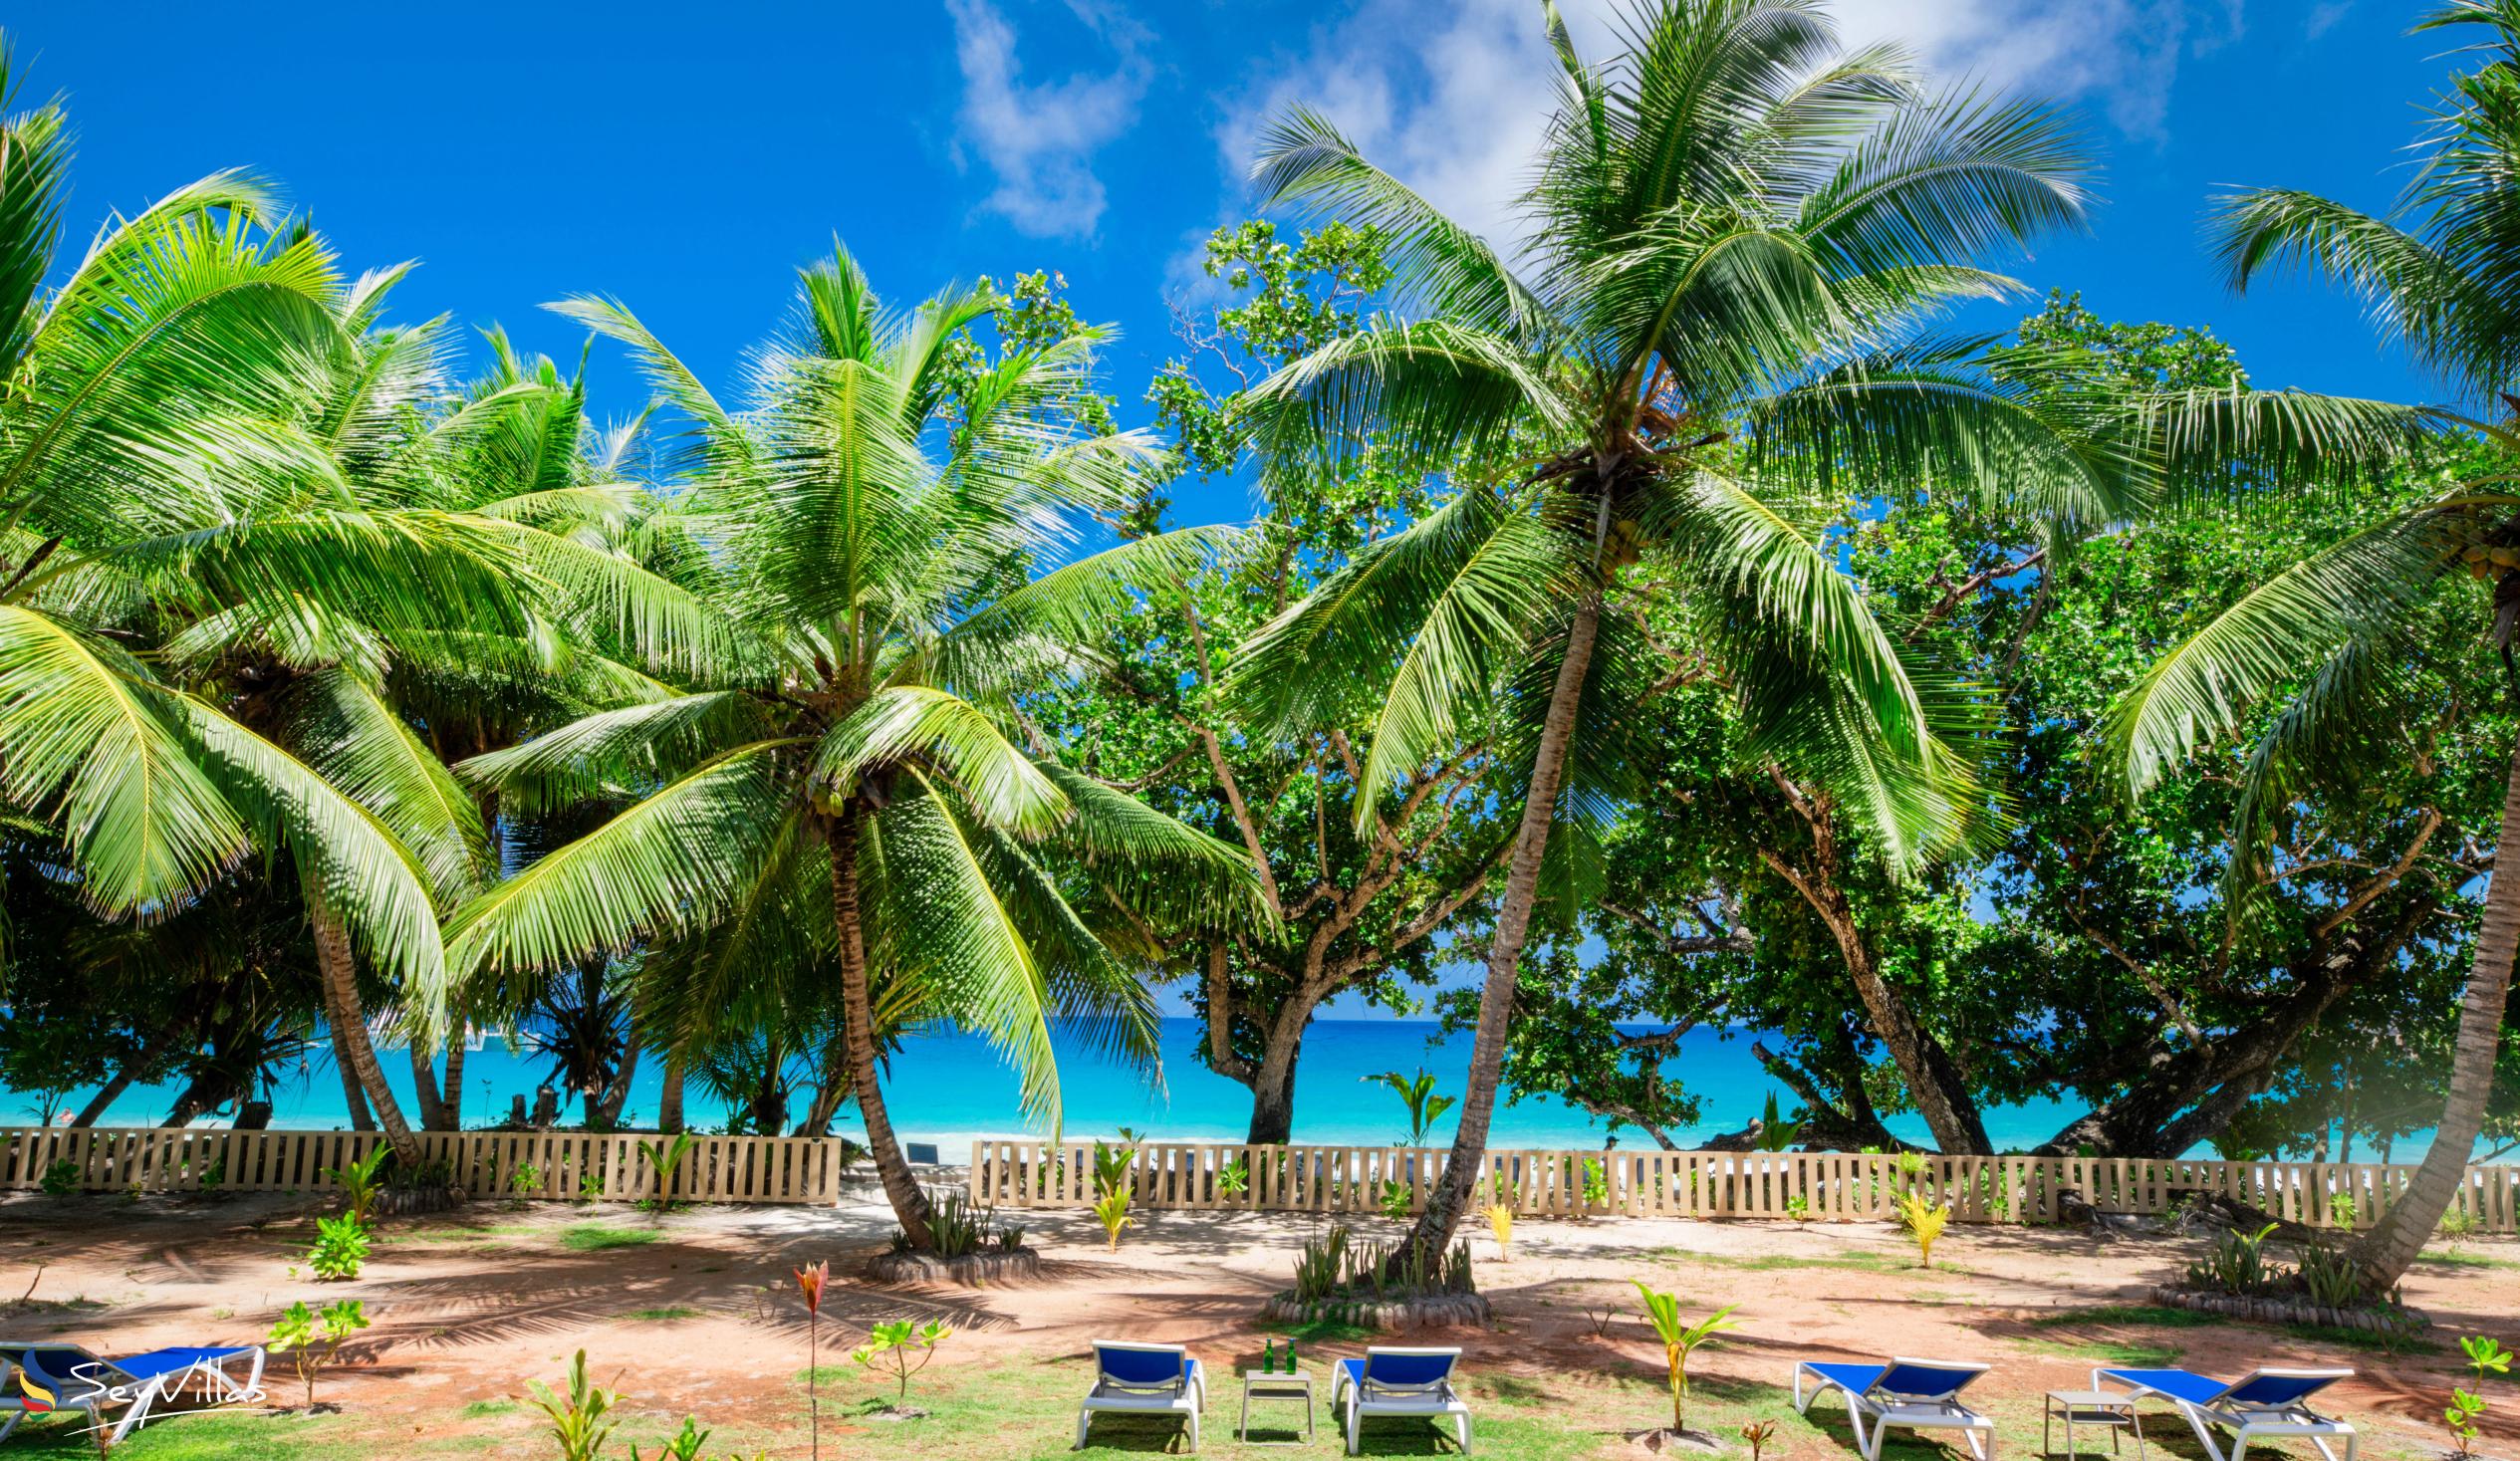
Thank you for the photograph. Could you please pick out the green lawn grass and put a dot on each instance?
(598, 1237)
(661, 1315)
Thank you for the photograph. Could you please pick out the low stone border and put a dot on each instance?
(405, 1201)
(2263, 1309)
(1397, 1315)
(971, 1271)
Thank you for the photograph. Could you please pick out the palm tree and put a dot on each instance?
(504, 464)
(156, 470)
(1732, 234)
(849, 793)
(2441, 273)
(1729, 227)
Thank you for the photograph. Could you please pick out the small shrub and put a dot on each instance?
(1398, 1200)
(526, 1180)
(59, 1179)
(2237, 1264)
(1923, 1221)
(575, 1419)
(2459, 1225)
(955, 1227)
(2340, 1209)
(2329, 1277)
(2461, 1415)
(1233, 1179)
(662, 1159)
(1798, 1207)
(359, 1183)
(1500, 1222)
(340, 1248)
(1112, 1211)
(590, 1187)
(891, 1346)
(1679, 1341)
(1010, 1237)
(315, 1336)
(1595, 1184)
(1758, 1433)
(682, 1446)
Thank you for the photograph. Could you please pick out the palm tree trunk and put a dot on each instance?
(857, 1001)
(424, 1089)
(453, 1103)
(2385, 1252)
(353, 1095)
(336, 963)
(608, 1112)
(1468, 1162)
(669, 1100)
(94, 1111)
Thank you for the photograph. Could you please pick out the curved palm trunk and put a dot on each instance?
(1462, 1173)
(354, 1095)
(338, 966)
(669, 1100)
(857, 1001)
(2384, 1254)
(94, 1111)
(424, 1090)
(608, 1110)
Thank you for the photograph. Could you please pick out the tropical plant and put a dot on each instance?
(2326, 634)
(577, 1418)
(1113, 1166)
(1418, 1093)
(2487, 1356)
(664, 1158)
(1233, 1179)
(811, 1280)
(1110, 1209)
(1924, 1219)
(1595, 1184)
(1758, 1433)
(61, 1177)
(1728, 268)
(835, 797)
(684, 1444)
(1500, 1223)
(1396, 1200)
(1775, 1133)
(2458, 1226)
(314, 1337)
(901, 1350)
(340, 1248)
(2236, 1264)
(1679, 1341)
(359, 1183)
(2461, 1415)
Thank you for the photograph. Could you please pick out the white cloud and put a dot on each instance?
(1039, 138)
(1451, 94)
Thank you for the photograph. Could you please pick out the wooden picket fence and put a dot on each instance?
(1818, 1186)
(564, 1164)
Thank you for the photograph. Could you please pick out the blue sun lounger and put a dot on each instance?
(1144, 1379)
(1914, 1394)
(1392, 1380)
(2263, 1402)
(39, 1378)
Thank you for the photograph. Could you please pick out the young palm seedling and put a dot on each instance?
(578, 1426)
(1679, 1341)
(1924, 1222)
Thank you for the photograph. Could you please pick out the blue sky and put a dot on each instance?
(686, 158)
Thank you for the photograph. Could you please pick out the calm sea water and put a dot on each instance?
(949, 1090)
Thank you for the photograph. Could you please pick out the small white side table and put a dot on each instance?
(1275, 1385)
(2111, 1411)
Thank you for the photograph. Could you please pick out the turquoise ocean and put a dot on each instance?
(950, 1089)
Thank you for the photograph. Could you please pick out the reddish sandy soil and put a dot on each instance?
(469, 1304)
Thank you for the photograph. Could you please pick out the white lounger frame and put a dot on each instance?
(1908, 1412)
(2254, 1423)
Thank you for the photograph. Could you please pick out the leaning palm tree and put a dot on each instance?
(2330, 634)
(505, 464)
(1703, 346)
(155, 469)
(852, 794)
